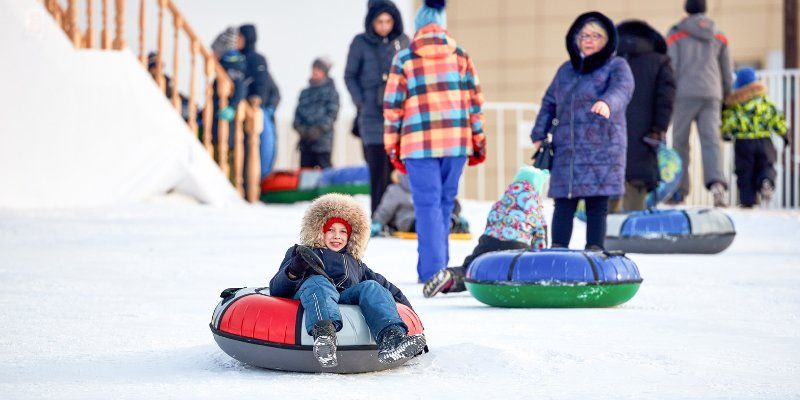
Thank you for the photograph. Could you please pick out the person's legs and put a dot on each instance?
(708, 121)
(562, 221)
(377, 305)
(685, 111)
(424, 176)
(323, 160)
(635, 196)
(267, 145)
(320, 300)
(596, 212)
(767, 156)
(451, 170)
(745, 177)
(380, 170)
(307, 159)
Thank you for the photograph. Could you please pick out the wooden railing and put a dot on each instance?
(248, 120)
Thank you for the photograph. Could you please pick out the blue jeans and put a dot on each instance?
(434, 185)
(321, 300)
(267, 143)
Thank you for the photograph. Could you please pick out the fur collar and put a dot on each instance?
(336, 205)
(746, 93)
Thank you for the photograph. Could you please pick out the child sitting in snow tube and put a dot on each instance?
(395, 212)
(516, 221)
(325, 270)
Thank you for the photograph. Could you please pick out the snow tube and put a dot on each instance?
(706, 231)
(347, 180)
(269, 332)
(553, 278)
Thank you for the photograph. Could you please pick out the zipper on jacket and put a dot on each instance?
(572, 135)
(346, 272)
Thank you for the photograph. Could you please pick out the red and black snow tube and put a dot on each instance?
(269, 332)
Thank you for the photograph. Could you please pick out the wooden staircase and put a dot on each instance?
(248, 120)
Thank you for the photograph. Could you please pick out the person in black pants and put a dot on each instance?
(368, 63)
(315, 115)
(596, 211)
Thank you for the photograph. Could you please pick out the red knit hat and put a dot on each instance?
(334, 220)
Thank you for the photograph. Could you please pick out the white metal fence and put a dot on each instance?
(509, 147)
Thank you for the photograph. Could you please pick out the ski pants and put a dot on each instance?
(754, 163)
(321, 300)
(706, 112)
(434, 185)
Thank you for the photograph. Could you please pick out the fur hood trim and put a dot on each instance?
(336, 205)
(746, 93)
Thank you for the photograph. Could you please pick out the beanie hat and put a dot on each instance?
(535, 176)
(431, 12)
(226, 41)
(695, 6)
(744, 77)
(323, 64)
(334, 220)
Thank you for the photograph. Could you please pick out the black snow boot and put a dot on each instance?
(394, 345)
(324, 334)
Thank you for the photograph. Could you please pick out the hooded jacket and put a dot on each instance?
(396, 207)
(344, 267)
(316, 112)
(368, 64)
(749, 114)
(650, 109)
(258, 80)
(700, 58)
(431, 115)
(589, 150)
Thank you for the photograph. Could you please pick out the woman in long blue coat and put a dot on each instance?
(584, 109)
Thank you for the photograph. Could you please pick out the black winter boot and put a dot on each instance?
(440, 282)
(324, 334)
(394, 345)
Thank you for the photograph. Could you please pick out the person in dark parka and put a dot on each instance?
(261, 91)
(584, 108)
(368, 63)
(649, 112)
(315, 115)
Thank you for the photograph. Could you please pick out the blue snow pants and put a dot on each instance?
(268, 142)
(434, 185)
(321, 300)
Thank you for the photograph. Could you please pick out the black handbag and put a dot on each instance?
(543, 159)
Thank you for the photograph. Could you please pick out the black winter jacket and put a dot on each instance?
(316, 112)
(258, 81)
(650, 109)
(341, 267)
(368, 61)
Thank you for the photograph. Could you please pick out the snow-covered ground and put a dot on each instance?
(115, 303)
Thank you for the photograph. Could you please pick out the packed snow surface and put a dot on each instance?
(115, 303)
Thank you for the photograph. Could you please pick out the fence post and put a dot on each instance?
(254, 125)
(119, 33)
(72, 23)
(176, 98)
(89, 39)
(208, 111)
(105, 38)
(142, 20)
(192, 83)
(238, 148)
(162, 84)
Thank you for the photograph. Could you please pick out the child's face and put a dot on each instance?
(336, 237)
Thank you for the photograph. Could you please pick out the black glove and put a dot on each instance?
(310, 260)
(297, 268)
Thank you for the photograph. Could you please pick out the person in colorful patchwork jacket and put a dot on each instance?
(750, 119)
(516, 221)
(433, 124)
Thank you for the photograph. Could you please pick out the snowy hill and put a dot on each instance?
(115, 303)
(88, 127)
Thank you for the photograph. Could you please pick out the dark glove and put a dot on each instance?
(478, 149)
(727, 137)
(787, 141)
(311, 259)
(394, 157)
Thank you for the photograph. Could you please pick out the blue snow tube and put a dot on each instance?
(347, 180)
(705, 231)
(553, 278)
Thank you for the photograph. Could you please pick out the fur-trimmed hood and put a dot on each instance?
(637, 37)
(746, 93)
(336, 205)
